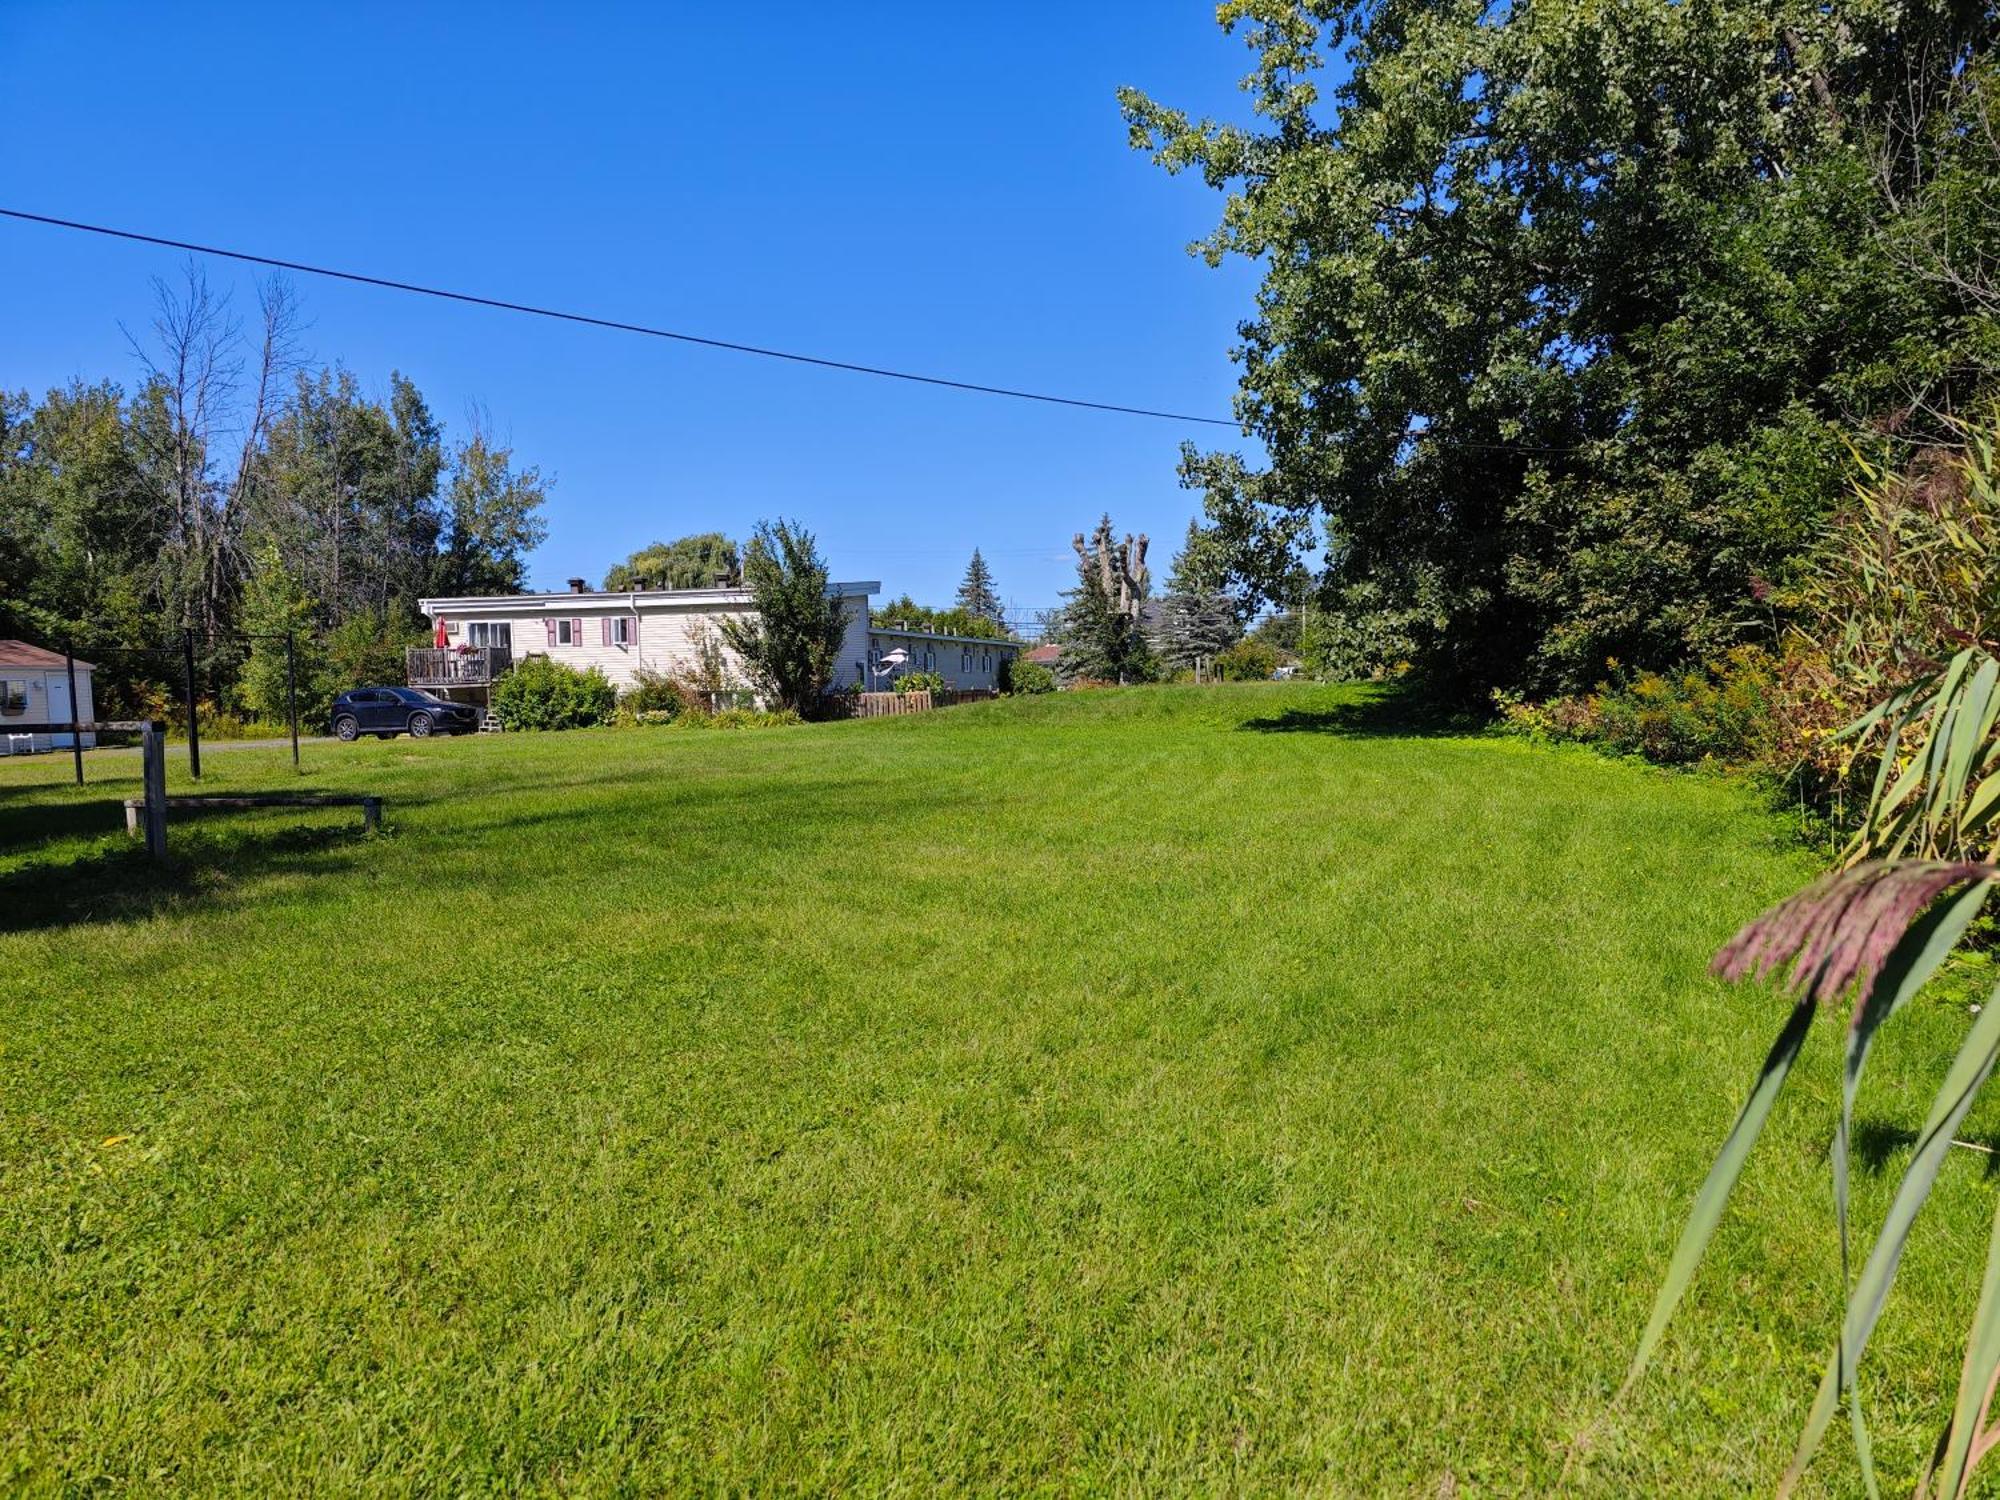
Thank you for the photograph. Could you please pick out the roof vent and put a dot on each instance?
(577, 586)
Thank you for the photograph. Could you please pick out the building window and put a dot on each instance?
(564, 635)
(483, 633)
(986, 661)
(621, 630)
(13, 697)
(930, 658)
(965, 661)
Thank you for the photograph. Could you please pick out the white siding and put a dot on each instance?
(48, 702)
(668, 634)
(961, 663)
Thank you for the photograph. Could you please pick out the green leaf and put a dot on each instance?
(1961, 1086)
(1910, 964)
(1982, 1364)
(1721, 1179)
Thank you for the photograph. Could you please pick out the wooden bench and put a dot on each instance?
(371, 807)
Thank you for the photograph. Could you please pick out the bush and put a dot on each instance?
(1249, 660)
(544, 694)
(367, 649)
(652, 695)
(1900, 581)
(920, 682)
(1028, 677)
(1723, 712)
(744, 718)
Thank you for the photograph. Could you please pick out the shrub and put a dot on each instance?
(652, 693)
(1249, 660)
(740, 718)
(1028, 677)
(367, 648)
(1900, 581)
(1722, 712)
(920, 682)
(544, 694)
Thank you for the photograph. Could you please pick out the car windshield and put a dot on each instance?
(418, 695)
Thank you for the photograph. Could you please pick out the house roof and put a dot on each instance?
(1046, 656)
(938, 635)
(556, 603)
(21, 654)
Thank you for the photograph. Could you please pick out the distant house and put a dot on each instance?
(965, 662)
(623, 634)
(665, 632)
(1045, 656)
(34, 689)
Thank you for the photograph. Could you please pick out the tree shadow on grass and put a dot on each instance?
(1381, 712)
(1875, 1143)
(34, 822)
(120, 884)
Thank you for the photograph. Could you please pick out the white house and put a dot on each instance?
(659, 631)
(34, 689)
(665, 632)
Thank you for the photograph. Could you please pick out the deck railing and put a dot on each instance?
(457, 666)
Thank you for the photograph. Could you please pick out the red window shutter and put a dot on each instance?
(576, 632)
(552, 630)
(606, 631)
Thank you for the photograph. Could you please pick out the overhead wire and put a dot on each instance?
(616, 324)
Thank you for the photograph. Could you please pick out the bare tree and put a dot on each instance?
(1121, 570)
(188, 411)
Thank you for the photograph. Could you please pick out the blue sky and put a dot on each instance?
(939, 188)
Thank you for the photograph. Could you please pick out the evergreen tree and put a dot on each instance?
(1100, 641)
(976, 595)
(1197, 618)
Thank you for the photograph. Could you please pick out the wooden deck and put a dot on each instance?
(456, 666)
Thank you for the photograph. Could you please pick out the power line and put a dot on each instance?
(611, 323)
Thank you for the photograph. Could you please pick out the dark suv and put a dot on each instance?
(389, 711)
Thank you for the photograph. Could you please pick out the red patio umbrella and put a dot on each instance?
(439, 639)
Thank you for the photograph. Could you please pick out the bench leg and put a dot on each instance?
(371, 815)
(131, 821)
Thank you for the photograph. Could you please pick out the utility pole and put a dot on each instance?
(292, 694)
(75, 729)
(194, 727)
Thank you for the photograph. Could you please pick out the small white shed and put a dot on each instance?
(34, 689)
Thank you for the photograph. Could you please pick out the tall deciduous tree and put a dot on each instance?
(700, 561)
(492, 521)
(1566, 307)
(791, 645)
(976, 595)
(348, 492)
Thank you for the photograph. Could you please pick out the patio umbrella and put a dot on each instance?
(438, 640)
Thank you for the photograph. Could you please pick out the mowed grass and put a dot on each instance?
(1165, 1090)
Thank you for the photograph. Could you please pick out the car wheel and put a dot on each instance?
(347, 728)
(420, 726)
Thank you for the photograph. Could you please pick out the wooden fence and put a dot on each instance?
(881, 705)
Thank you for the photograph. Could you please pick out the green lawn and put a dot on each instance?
(1166, 1090)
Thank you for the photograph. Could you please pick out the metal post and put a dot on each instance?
(194, 728)
(292, 695)
(75, 731)
(153, 765)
